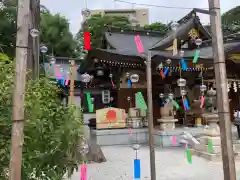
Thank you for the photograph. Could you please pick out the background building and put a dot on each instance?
(136, 16)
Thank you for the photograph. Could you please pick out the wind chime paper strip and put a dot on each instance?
(174, 140)
(66, 82)
(162, 74)
(137, 169)
(196, 56)
(89, 101)
(87, 41)
(141, 102)
(183, 104)
(83, 173)
(184, 64)
(130, 131)
(202, 102)
(189, 155)
(210, 146)
(129, 83)
(185, 101)
(139, 44)
(175, 104)
(175, 49)
(165, 72)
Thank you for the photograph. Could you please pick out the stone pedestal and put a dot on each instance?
(212, 132)
(167, 122)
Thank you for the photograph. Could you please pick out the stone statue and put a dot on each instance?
(167, 111)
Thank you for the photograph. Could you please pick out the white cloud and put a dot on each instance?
(72, 8)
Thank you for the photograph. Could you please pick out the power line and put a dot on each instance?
(152, 5)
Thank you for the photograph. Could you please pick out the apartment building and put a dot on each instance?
(136, 16)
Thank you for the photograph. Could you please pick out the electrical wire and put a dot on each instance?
(152, 5)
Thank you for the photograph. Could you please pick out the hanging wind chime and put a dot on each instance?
(198, 42)
(203, 89)
(183, 64)
(182, 84)
(111, 78)
(134, 78)
(129, 83)
(137, 162)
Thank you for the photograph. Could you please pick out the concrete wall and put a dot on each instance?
(141, 15)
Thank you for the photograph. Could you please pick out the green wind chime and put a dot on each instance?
(198, 42)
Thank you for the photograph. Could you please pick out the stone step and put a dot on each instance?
(206, 155)
(211, 157)
(216, 149)
(216, 141)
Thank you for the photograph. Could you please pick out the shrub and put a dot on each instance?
(52, 130)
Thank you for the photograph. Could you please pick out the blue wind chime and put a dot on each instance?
(129, 83)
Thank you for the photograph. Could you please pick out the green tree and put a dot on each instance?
(157, 26)
(231, 21)
(97, 25)
(52, 130)
(55, 34)
(55, 31)
(8, 27)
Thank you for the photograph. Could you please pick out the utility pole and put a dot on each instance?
(33, 58)
(72, 79)
(23, 18)
(150, 117)
(222, 94)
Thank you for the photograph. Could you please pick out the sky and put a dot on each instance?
(71, 9)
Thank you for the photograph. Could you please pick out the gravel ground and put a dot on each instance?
(171, 164)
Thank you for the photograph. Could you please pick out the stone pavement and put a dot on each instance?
(171, 164)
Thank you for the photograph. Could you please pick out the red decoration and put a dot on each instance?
(162, 74)
(87, 41)
(111, 115)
